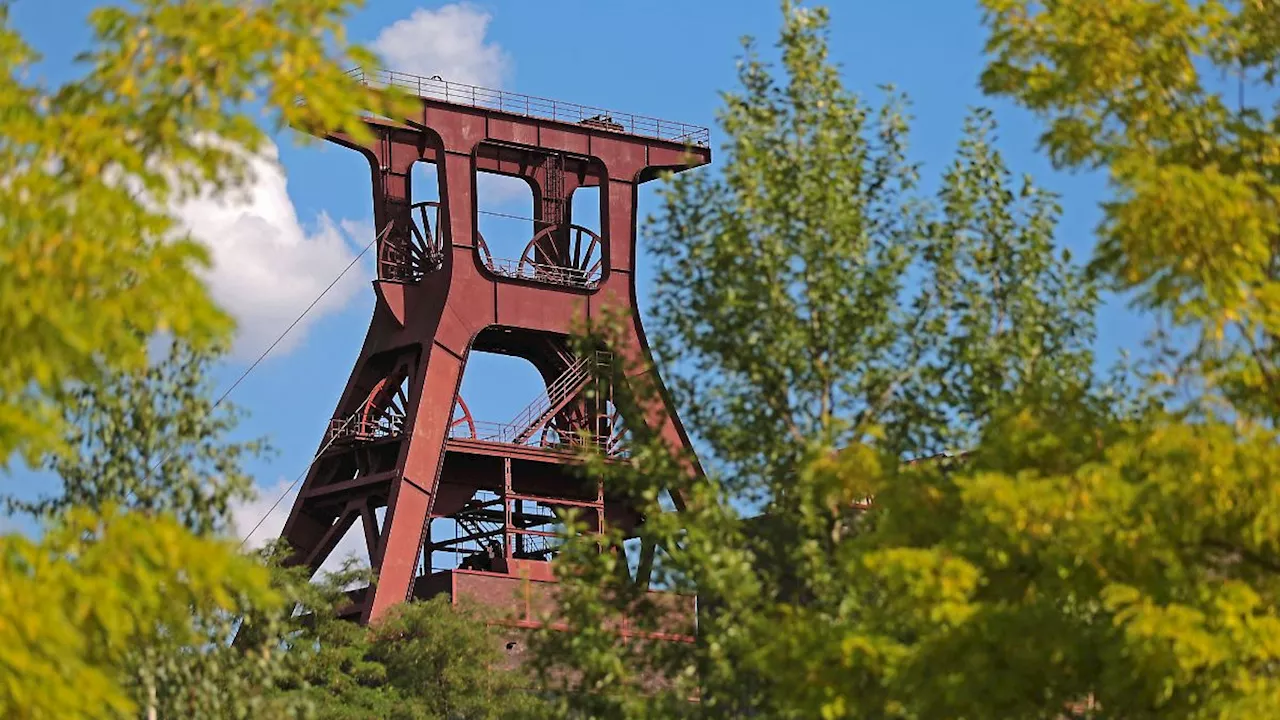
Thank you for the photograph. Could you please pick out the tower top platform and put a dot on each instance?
(440, 90)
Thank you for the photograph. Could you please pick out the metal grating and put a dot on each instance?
(435, 88)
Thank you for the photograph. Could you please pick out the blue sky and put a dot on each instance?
(659, 57)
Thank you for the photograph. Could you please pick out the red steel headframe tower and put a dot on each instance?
(402, 452)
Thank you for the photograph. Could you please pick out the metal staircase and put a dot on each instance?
(559, 393)
(473, 529)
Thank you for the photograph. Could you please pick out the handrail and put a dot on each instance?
(359, 428)
(567, 382)
(542, 272)
(436, 88)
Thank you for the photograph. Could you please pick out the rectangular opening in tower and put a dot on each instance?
(505, 219)
(585, 208)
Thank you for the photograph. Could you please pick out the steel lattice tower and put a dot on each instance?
(401, 444)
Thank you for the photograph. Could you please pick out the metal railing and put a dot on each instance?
(539, 272)
(436, 88)
(509, 434)
(395, 263)
(359, 428)
(570, 381)
(485, 430)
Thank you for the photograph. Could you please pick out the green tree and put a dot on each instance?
(427, 660)
(152, 440)
(1091, 556)
(821, 296)
(248, 663)
(815, 301)
(78, 603)
(1177, 100)
(112, 614)
(1079, 563)
(1118, 569)
(163, 109)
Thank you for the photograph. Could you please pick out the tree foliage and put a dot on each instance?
(810, 294)
(1110, 569)
(815, 301)
(152, 440)
(1178, 101)
(78, 603)
(163, 109)
(113, 613)
(149, 442)
(1097, 553)
(426, 660)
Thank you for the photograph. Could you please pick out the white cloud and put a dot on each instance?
(266, 267)
(449, 42)
(270, 522)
